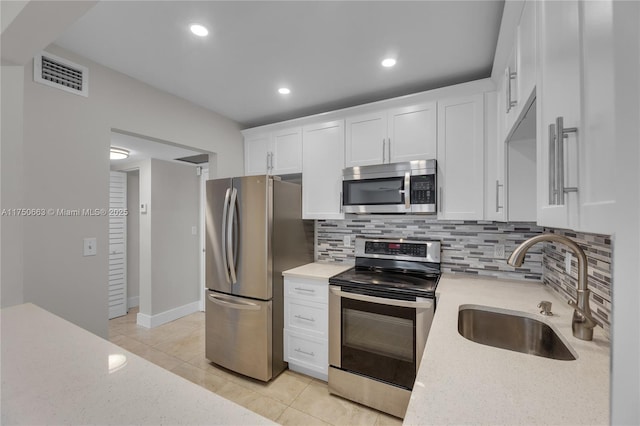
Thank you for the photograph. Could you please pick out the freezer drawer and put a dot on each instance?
(239, 334)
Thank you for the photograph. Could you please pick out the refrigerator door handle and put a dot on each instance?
(243, 305)
(224, 234)
(230, 223)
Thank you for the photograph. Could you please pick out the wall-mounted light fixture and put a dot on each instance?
(118, 153)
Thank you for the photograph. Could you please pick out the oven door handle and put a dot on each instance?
(421, 303)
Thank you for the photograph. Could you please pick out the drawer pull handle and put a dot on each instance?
(310, 290)
(305, 318)
(303, 352)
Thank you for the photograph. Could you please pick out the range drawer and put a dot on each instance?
(306, 351)
(307, 289)
(306, 317)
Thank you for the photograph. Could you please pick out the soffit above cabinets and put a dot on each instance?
(327, 53)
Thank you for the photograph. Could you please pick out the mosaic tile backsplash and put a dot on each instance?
(598, 249)
(469, 247)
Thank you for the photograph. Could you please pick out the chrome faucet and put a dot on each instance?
(582, 322)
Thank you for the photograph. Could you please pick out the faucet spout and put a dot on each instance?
(582, 322)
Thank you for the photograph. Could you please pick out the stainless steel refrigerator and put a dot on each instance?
(254, 231)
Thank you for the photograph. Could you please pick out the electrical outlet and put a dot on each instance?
(498, 251)
(346, 240)
(567, 262)
(89, 247)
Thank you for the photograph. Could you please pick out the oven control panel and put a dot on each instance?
(421, 251)
(395, 248)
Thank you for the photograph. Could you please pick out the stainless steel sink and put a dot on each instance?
(515, 331)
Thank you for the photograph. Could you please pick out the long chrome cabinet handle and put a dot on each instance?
(440, 200)
(303, 352)
(508, 77)
(552, 165)
(225, 211)
(389, 148)
(428, 304)
(498, 206)
(248, 306)
(384, 141)
(309, 290)
(561, 134)
(304, 318)
(232, 262)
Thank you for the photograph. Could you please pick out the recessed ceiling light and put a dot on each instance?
(389, 62)
(118, 153)
(199, 30)
(284, 91)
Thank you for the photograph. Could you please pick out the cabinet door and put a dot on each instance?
(495, 201)
(322, 164)
(412, 133)
(526, 53)
(597, 146)
(256, 149)
(558, 96)
(512, 98)
(461, 158)
(286, 150)
(366, 140)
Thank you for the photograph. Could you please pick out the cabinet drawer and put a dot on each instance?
(307, 289)
(306, 317)
(306, 351)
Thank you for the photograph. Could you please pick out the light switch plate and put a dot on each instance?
(143, 208)
(194, 230)
(89, 246)
(567, 262)
(346, 240)
(498, 251)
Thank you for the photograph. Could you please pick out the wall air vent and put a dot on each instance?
(62, 74)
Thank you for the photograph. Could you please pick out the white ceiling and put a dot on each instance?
(327, 52)
(143, 149)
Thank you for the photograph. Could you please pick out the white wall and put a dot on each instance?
(11, 165)
(175, 261)
(625, 386)
(133, 238)
(66, 139)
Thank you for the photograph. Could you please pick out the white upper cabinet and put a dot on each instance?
(274, 153)
(366, 139)
(256, 154)
(495, 165)
(286, 151)
(599, 113)
(526, 55)
(559, 132)
(461, 158)
(391, 136)
(322, 164)
(412, 133)
(518, 82)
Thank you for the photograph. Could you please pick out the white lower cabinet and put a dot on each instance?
(306, 344)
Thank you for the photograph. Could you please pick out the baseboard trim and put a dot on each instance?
(133, 301)
(151, 321)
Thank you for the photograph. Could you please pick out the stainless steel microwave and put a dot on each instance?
(408, 187)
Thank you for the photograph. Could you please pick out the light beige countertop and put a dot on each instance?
(317, 270)
(463, 382)
(54, 372)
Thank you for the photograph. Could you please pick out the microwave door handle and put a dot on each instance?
(223, 237)
(426, 304)
(407, 190)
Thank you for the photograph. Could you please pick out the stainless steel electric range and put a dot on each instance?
(380, 313)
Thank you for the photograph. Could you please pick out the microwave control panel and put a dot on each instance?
(423, 189)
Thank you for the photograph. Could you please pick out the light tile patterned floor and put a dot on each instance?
(290, 399)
